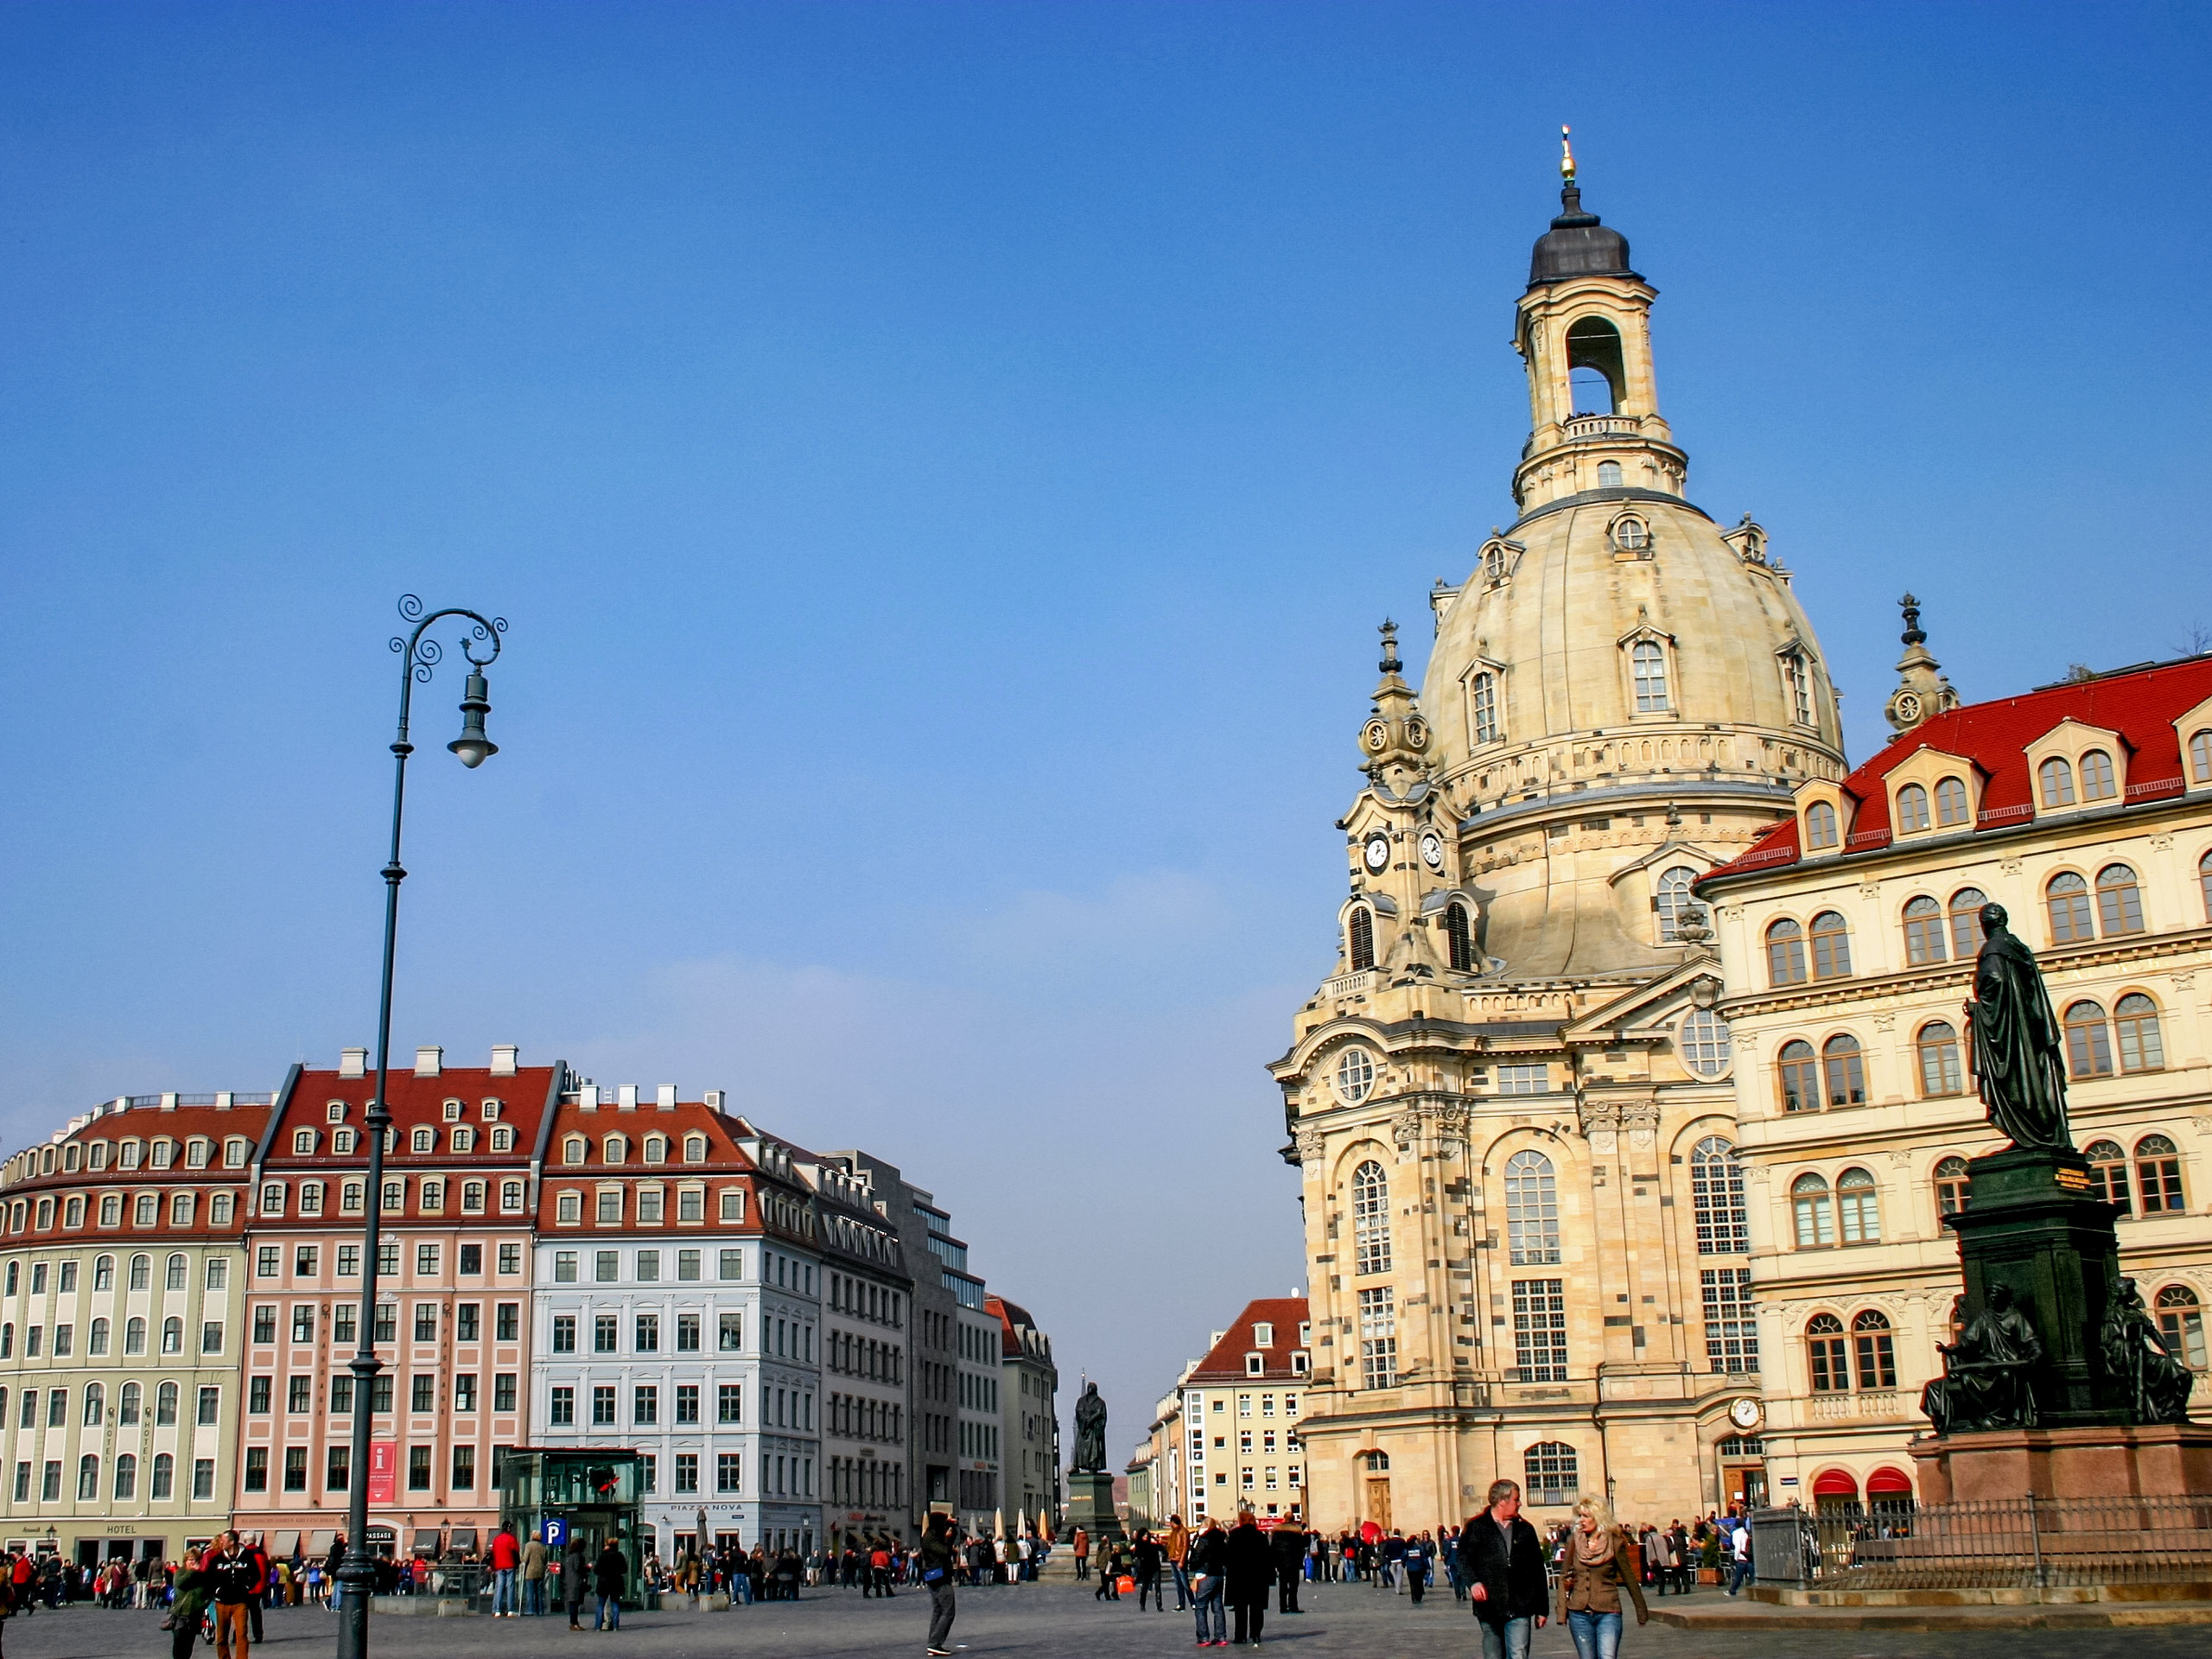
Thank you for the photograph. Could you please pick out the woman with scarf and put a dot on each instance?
(1596, 1563)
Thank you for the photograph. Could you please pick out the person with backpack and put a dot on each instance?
(937, 1563)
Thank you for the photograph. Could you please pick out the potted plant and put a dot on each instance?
(1708, 1558)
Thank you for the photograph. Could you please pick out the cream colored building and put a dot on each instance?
(1509, 1101)
(1847, 938)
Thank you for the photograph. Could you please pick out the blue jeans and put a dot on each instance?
(1597, 1635)
(1209, 1609)
(533, 1597)
(1182, 1588)
(1508, 1640)
(1736, 1580)
(503, 1591)
(610, 1613)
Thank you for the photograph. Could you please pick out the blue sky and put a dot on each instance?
(943, 466)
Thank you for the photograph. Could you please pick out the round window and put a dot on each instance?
(1355, 1076)
(1631, 536)
(1703, 1043)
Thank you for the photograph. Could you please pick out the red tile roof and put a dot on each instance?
(1224, 1361)
(2140, 704)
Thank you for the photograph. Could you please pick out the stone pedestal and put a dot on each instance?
(2154, 1461)
(1091, 1506)
(2031, 1224)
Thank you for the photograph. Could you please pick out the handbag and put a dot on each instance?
(1202, 1585)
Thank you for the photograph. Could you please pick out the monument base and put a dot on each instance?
(2153, 1461)
(1091, 1506)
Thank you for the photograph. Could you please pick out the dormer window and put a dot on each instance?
(1800, 688)
(334, 1113)
(1255, 1365)
(302, 1142)
(1820, 827)
(614, 1149)
(2200, 757)
(452, 1111)
(2097, 783)
(1482, 702)
(1609, 475)
(2055, 780)
(1631, 534)
(424, 1139)
(574, 1150)
(1912, 810)
(1263, 1334)
(1951, 807)
(1648, 666)
(503, 1139)
(694, 1148)
(491, 1111)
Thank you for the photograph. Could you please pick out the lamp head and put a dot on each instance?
(473, 747)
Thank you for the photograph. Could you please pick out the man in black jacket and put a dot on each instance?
(1288, 1543)
(1504, 1562)
(235, 1580)
(1250, 1566)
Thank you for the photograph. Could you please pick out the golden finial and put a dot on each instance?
(1567, 154)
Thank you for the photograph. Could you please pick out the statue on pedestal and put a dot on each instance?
(2019, 1055)
(2135, 1351)
(1985, 1382)
(1090, 1433)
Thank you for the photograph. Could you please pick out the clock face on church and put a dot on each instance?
(1746, 1414)
(1432, 849)
(1376, 854)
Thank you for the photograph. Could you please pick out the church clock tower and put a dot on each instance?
(1510, 1101)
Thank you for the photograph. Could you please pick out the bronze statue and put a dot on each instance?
(2135, 1350)
(1985, 1382)
(2019, 1061)
(1090, 1433)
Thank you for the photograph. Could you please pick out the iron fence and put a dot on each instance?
(2021, 1543)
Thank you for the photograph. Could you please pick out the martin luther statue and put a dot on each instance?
(2019, 1061)
(1090, 1433)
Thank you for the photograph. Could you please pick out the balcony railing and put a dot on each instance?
(1842, 1407)
(1347, 984)
(1598, 426)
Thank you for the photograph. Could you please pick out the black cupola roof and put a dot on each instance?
(1577, 245)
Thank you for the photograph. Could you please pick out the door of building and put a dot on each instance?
(1378, 1501)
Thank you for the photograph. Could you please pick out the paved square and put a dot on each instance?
(1059, 1619)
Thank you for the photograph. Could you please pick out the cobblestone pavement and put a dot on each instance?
(1029, 1621)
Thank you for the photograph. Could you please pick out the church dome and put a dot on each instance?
(1577, 245)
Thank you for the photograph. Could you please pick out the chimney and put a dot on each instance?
(626, 1098)
(503, 1059)
(665, 1097)
(428, 1062)
(588, 1097)
(169, 1103)
(352, 1062)
(713, 1100)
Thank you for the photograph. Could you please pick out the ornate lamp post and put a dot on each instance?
(419, 656)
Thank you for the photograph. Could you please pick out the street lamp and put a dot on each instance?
(419, 656)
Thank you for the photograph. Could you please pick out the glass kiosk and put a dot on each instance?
(586, 1492)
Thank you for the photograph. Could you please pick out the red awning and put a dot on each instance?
(1836, 1482)
(1888, 1483)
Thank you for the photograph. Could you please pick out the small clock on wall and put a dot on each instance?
(1432, 849)
(1376, 853)
(1376, 736)
(1416, 733)
(1747, 1414)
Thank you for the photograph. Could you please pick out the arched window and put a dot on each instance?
(1671, 897)
(1843, 1071)
(104, 1273)
(2204, 882)
(88, 1478)
(1965, 922)
(424, 1139)
(2135, 1022)
(1912, 809)
(95, 1405)
(172, 1335)
(2109, 1173)
(1531, 1211)
(613, 1149)
(126, 1407)
(1923, 930)
(97, 1342)
(1703, 1043)
(1819, 827)
(2056, 780)
(2157, 1175)
(1858, 1206)
(1716, 1197)
(178, 1272)
(2181, 1321)
(1831, 946)
(2120, 901)
(1370, 1218)
(134, 1334)
(568, 1207)
(1458, 941)
(1815, 1214)
(1549, 1471)
(302, 1142)
(1801, 693)
(1872, 1348)
(1648, 662)
(463, 1138)
(2067, 896)
(1830, 1353)
(1594, 365)
(1951, 807)
(574, 1150)
(165, 1406)
(1950, 1185)
(2088, 1041)
(1936, 1044)
(1800, 1077)
(164, 1482)
(694, 1148)
(1362, 938)
(2097, 783)
(656, 1149)
(2199, 756)
(1482, 699)
(126, 1475)
(1609, 474)
(1785, 953)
